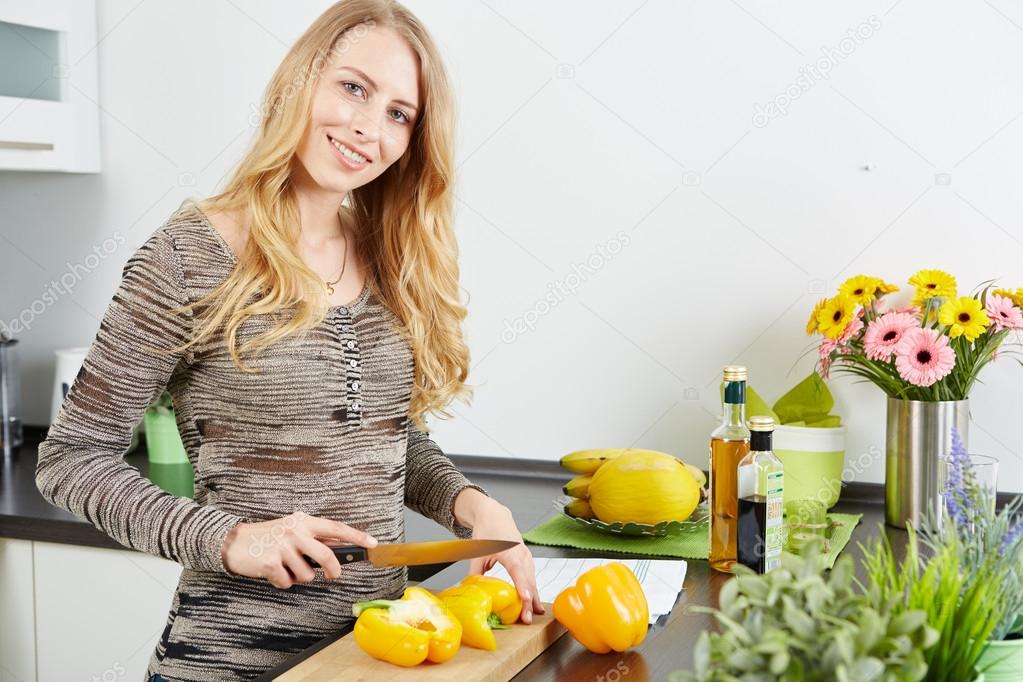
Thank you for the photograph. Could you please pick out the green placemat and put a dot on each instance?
(561, 531)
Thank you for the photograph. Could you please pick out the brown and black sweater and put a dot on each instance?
(322, 427)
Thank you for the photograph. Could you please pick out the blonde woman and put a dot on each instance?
(304, 321)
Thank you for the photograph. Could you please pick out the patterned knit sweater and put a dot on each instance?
(322, 427)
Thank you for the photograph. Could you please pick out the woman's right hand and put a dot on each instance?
(273, 549)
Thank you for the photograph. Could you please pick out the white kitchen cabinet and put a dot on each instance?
(99, 612)
(49, 116)
(17, 613)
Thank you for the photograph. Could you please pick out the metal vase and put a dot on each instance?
(919, 436)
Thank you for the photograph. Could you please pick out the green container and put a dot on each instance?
(1002, 661)
(814, 459)
(163, 442)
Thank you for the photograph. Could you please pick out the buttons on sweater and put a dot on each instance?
(353, 360)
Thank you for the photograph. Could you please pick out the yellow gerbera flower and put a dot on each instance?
(835, 315)
(1015, 296)
(811, 325)
(964, 316)
(885, 288)
(861, 288)
(930, 283)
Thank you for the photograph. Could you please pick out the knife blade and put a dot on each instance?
(416, 553)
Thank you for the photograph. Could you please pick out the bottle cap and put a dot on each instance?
(761, 423)
(735, 373)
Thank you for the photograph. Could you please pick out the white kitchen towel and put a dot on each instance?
(661, 579)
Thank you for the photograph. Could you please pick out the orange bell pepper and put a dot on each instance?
(606, 609)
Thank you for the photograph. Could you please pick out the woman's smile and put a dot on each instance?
(348, 157)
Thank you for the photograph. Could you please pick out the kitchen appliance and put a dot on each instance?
(417, 553)
(69, 362)
(10, 395)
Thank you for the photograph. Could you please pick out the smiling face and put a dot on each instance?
(364, 107)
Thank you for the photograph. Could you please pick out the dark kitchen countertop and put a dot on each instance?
(527, 487)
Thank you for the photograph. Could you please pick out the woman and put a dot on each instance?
(302, 341)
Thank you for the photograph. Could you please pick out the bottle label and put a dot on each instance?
(773, 541)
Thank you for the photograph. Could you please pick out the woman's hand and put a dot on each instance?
(494, 521)
(273, 549)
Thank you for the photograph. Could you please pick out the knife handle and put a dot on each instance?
(346, 554)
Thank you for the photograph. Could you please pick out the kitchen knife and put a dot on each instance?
(417, 553)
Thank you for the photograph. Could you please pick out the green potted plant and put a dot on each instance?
(809, 440)
(163, 442)
(798, 623)
(987, 534)
(962, 567)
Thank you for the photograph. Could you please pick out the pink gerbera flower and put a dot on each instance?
(825, 350)
(852, 329)
(1003, 313)
(923, 356)
(885, 332)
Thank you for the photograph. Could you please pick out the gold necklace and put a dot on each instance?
(344, 262)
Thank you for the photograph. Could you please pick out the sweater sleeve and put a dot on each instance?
(432, 482)
(81, 465)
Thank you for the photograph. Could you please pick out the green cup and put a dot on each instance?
(163, 442)
(814, 459)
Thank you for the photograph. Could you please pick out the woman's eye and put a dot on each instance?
(401, 116)
(353, 88)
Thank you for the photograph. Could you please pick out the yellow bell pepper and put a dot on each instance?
(409, 630)
(507, 603)
(473, 607)
(606, 609)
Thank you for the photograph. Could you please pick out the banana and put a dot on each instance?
(588, 461)
(701, 478)
(578, 486)
(579, 508)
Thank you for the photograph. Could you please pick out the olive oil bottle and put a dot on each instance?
(761, 479)
(729, 443)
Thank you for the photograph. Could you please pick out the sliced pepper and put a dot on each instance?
(473, 607)
(409, 630)
(507, 603)
(606, 609)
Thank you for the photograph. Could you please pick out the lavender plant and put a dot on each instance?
(982, 533)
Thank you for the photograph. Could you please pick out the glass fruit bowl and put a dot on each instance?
(698, 521)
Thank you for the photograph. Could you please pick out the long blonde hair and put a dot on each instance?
(404, 217)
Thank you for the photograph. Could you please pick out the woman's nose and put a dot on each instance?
(365, 128)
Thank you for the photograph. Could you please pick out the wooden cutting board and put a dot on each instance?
(516, 647)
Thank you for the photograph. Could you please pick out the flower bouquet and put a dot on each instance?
(926, 356)
(931, 349)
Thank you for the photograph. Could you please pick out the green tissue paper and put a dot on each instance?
(809, 401)
(758, 407)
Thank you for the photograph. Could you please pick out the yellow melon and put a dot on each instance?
(643, 487)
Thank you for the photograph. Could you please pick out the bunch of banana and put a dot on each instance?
(631, 484)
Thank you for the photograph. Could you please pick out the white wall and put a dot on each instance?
(585, 126)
